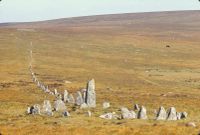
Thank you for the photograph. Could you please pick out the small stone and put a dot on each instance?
(34, 109)
(58, 96)
(142, 114)
(55, 92)
(162, 114)
(106, 105)
(59, 105)
(66, 114)
(172, 115)
(89, 113)
(190, 124)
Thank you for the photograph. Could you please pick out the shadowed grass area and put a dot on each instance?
(128, 67)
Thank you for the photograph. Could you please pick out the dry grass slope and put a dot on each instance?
(127, 56)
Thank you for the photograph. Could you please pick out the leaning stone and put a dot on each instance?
(83, 106)
(91, 94)
(136, 107)
(126, 114)
(79, 98)
(65, 97)
(142, 114)
(66, 114)
(59, 105)
(162, 114)
(106, 105)
(172, 114)
(71, 99)
(47, 109)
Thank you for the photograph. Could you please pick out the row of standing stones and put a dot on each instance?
(86, 98)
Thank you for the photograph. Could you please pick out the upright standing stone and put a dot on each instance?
(91, 94)
(142, 114)
(79, 98)
(71, 99)
(65, 97)
(47, 108)
(89, 113)
(162, 114)
(59, 105)
(136, 107)
(83, 91)
(55, 91)
(172, 115)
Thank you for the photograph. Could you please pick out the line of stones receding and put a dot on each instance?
(86, 98)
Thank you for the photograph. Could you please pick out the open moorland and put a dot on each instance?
(151, 59)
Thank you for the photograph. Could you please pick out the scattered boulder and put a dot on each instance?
(142, 114)
(79, 98)
(162, 114)
(172, 115)
(91, 94)
(47, 109)
(59, 105)
(106, 105)
(126, 114)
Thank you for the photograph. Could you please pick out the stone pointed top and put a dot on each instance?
(172, 114)
(142, 114)
(162, 114)
(59, 105)
(91, 94)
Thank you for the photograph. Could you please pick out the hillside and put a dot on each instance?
(151, 59)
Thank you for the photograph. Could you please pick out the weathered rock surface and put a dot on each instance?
(172, 114)
(59, 105)
(126, 114)
(71, 99)
(162, 114)
(47, 109)
(79, 98)
(142, 114)
(91, 94)
(83, 106)
(106, 105)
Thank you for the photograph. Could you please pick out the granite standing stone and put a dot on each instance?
(79, 98)
(172, 114)
(162, 114)
(91, 94)
(47, 109)
(59, 105)
(142, 114)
